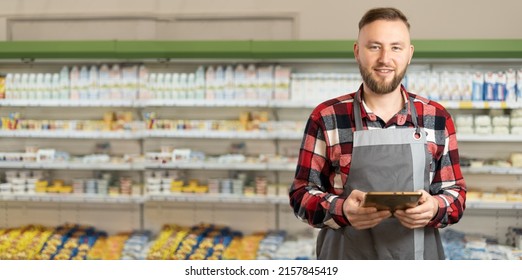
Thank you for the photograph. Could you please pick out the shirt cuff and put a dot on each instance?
(338, 213)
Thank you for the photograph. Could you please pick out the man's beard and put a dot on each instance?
(381, 87)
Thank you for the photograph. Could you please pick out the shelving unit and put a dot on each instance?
(241, 212)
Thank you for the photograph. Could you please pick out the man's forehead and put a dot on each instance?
(394, 30)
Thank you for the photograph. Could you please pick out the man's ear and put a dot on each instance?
(412, 48)
(356, 51)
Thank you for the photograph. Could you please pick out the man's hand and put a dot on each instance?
(420, 215)
(362, 217)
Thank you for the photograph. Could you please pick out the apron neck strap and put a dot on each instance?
(358, 118)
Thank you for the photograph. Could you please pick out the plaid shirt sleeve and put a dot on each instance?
(447, 184)
(309, 196)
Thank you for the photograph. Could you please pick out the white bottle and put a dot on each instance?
(9, 86)
(104, 82)
(152, 85)
(56, 89)
(220, 83)
(17, 86)
(511, 86)
(115, 82)
(143, 84)
(191, 86)
(175, 86)
(210, 83)
(74, 81)
(240, 82)
(251, 83)
(129, 82)
(84, 83)
(159, 86)
(200, 83)
(30, 91)
(92, 84)
(166, 88)
(183, 82)
(65, 85)
(47, 88)
(228, 81)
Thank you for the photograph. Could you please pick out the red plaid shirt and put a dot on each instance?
(316, 195)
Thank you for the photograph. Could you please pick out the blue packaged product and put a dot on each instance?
(489, 87)
(477, 89)
(500, 87)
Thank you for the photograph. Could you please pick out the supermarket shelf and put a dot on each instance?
(222, 166)
(72, 165)
(272, 166)
(208, 165)
(204, 197)
(70, 134)
(229, 198)
(208, 134)
(492, 205)
(223, 134)
(227, 103)
(493, 170)
(489, 138)
(66, 103)
(204, 103)
(72, 198)
(144, 166)
(480, 104)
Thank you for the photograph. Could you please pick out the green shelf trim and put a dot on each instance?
(58, 49)
(183, 49)
(305, 49)
(302, 49)
(495, 49)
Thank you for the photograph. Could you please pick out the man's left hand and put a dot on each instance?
(420, 215)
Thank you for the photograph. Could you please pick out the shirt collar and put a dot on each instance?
(401, 117)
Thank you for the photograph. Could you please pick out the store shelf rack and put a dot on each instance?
(329, 51)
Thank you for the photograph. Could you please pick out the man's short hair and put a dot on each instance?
(386, 13)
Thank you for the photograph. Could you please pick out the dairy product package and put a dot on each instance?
(511, 86)
(477, 89)
(501, 86)
(490, 80)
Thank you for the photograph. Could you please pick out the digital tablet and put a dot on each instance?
(391, 200)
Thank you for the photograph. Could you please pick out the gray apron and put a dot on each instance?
(385, 160)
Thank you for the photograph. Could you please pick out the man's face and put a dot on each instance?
(383, 52)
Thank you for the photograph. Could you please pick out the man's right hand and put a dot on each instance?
(362, 217)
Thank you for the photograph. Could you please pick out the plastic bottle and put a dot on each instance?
(104, 82)
(92, 83)
(240, 82)
(210, 83)
(200, 83)
(74, 81)
(65, 84)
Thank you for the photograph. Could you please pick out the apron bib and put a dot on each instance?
(385, 160)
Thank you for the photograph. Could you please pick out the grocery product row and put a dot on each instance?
(156, 182)
(211, 242)
(496, 122)
(467, 85)
(459, 245)
(173, 242)
(243, 82)
(167, 156)
(249, 121)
